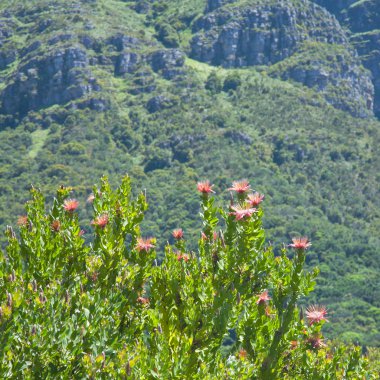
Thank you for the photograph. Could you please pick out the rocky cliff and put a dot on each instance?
(56, 67)
(362, 18)
(236, 34)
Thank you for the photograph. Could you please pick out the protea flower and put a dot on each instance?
(70, 205)
(205, 187)
(183, 256)
(316, 342)
(240, 186)
(101, 221)
(241, 213)
(55, 225)
(316, 313)
(143, 300)
(242, 354)
(90, 198)
(177, 233)
(22, 220)
(144, 244)
(255, 199)
(263, 297)
(300, 243)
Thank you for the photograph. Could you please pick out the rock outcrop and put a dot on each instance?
(363, 19)
(168, 62)
(368, 46)
(63, 73)
(332, 71)
(261, 34)
(57, 78)
(266, 33)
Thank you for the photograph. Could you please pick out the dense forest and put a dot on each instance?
(284, 94)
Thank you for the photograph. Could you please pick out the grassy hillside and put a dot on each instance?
(318, 166)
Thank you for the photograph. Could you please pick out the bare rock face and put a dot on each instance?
(363, 19)
(215, 4)
(334, 72)
(7, 54)
(368, 46)
(261, 34)
(57, 78)
(167, 61)
(126, 63)
(269, 33)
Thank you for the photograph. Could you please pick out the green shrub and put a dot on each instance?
(105, 309)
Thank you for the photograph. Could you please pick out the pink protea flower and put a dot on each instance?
(90, 198)
(55, 225)
(316, 342)
(316, 313)
(177, 233)
(263, 297)
(255, 199)
(205, 187)
(183, 256)
(204, 236)
(101, 221)
(70, 205)
(300, 243)
(22, 220)
(242, 354)
(241, 213)
(143, 300)
(144, 244)
(240, 186)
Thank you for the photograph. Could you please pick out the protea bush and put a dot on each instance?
(107, 308)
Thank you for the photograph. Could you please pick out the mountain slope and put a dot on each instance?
(107, 87)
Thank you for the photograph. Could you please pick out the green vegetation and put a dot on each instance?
(106, 310)
(317, 166)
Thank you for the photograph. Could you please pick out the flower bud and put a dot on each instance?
(42, 297)
(67, 296)
(128, 369)
(9, 299)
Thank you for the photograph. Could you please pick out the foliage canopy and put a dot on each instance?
(102, 307)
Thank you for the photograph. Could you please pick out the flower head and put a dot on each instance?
(55, 225)
(101, 221)
(144, 244)
(90, 198)
(205, 187)
(263, 297)
(300, 243)
(183, 256)
(177, 233)
(70, 205)
(242, 354)
(316, 342)
(255, 199)
(143, 300)
(241, 213)
(22, 220)
(240, 186)
(316, 313)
